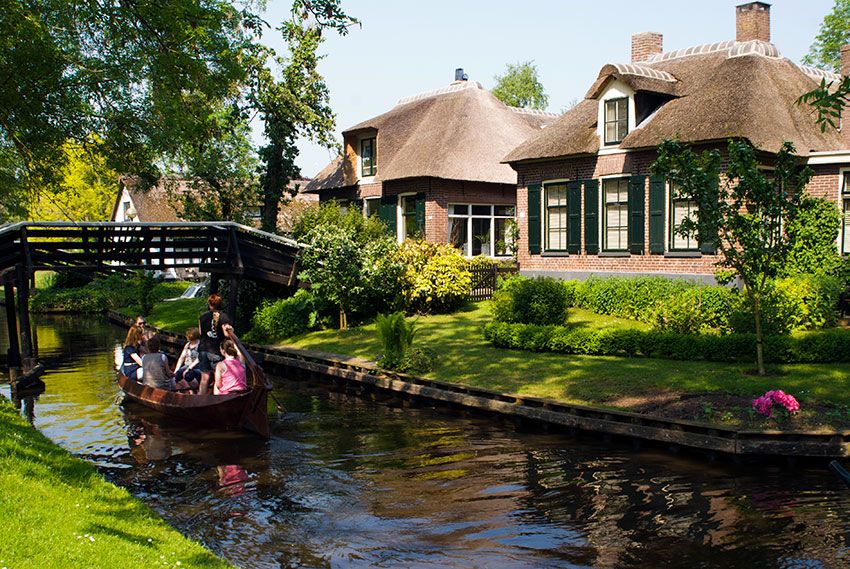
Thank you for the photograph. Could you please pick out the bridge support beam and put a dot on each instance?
(13, 356)
(27, 353)
(232, 297)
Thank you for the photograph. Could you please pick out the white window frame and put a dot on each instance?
(401, 225)
(367, 201)
(470, 216)
(603, 213)
(366, 179)
(615, 90)
(668, 224)
(845, 212)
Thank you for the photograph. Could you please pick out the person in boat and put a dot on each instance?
(230, 375)
(131, 364)
(187, 363)
(215, 326)
(141, 324)
(155, 369)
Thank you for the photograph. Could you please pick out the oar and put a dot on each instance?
(840, 471)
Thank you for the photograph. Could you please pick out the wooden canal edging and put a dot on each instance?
(336, 369)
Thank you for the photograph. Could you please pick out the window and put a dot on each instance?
(368, 157)
(480, 229)
(556, 217)
(616, 218)
(408, 218)
(254, 212)
(371, 206)
(681, 208)
(845, 226)
(616, 120)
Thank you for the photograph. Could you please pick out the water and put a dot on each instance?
(349, 483)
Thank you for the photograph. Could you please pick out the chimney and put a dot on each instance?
(752, 21)
(646, 44)
(845, 60)
(460, 75)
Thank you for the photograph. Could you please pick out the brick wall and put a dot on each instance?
(824, 184)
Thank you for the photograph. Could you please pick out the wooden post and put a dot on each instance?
(24, 316)
(14, 354)
(214, 283)
(232, 297)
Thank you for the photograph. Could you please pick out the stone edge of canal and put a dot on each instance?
(715, 441)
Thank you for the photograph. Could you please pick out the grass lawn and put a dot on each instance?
(174, 315)
(464, 356)
(58, 512)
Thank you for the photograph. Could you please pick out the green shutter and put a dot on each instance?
(637, 191)
(657, 211)
(709, 246)
(387, 212)
(534, 219)
(574, 216)
(420, 215)
(591, 216)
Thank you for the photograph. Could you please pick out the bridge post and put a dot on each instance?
(232, 297)
(13, 357)
(214, 283)
(24, 316)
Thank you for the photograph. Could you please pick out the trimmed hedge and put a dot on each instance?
(809, 347)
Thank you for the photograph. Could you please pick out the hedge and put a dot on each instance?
(808, 347)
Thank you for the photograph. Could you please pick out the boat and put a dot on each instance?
(247, 409)
(840, 471)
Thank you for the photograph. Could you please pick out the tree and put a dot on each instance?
(825, 52)
(131, 80)
(519, 86)
(744, 213)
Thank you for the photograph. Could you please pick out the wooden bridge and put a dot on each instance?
(224, 250)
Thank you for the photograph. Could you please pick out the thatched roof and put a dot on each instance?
(152, 205)
(717, 91)
(460, 132)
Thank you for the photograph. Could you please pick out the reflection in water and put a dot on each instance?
(349, 483)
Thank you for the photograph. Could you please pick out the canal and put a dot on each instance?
(346, 482)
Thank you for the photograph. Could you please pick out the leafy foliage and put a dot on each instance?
(531, 301)
(834, 32)
(436, 276)
(811, 229)
(801, 302)
(744, 214)
(105, 293)
(396, 335)
(284, 318)
(695, 309)
(519, 86)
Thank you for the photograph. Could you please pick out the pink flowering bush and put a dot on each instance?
(763, 405)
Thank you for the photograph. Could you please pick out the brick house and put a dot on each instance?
(431, 166)
(587, 203)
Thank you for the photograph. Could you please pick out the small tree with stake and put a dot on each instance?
(744, 213)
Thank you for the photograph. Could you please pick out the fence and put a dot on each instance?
(484, 280)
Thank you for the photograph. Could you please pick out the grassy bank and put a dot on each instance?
(59, 512)
(697, 390)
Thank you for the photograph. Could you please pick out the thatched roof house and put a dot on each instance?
(586, 201)
(443, 147)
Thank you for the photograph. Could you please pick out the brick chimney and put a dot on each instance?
(646, 44)
(752, 21)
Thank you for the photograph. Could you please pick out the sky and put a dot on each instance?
(405, 47)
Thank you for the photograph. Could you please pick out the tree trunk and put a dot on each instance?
(273, 184)
(759, 335)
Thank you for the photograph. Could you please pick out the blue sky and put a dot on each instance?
(405, 47)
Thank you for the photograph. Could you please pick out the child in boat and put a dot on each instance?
(131, 365)
(155, 370)
(187, 364)
(229, 374)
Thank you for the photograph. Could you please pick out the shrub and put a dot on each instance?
(811, 347)
(812, 228)
(284, 318)
(627, 297)
(695, 309)
(396, 335)
(435, 278)
(69, 279)
(804, 302)
(541, 301)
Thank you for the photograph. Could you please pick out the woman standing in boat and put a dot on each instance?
(215, 326)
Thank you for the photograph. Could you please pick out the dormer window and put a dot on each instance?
(616, 120)
(368, 157)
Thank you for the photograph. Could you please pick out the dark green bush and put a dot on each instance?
(627, 297)
(811, 347)
(284, 318)
(542, 301)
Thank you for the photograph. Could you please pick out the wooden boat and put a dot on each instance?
(840, 471)
(247, 410)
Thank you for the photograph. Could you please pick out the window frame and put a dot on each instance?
(844, 196)
(563, 231)
(617, 121)
(671, 228)
(468, 218)
(603, 213)
(373, 158)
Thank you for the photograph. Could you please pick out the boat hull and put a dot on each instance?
(247, 410)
